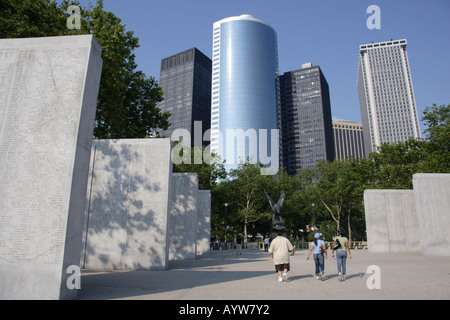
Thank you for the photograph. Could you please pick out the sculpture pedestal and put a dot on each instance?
(275, 230)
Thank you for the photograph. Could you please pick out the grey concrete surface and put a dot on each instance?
(183, 217)
(410, 220)
(223, 275)
(126, 223)
(204, 221)
(391, 221)
(432, 201)
(48, 98)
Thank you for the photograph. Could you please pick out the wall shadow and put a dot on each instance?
(187, 274)
(124, 228)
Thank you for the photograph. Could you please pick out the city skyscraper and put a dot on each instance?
(307, 132)
(186, 80)
(245, 91)
(386, 94)
(348, 140)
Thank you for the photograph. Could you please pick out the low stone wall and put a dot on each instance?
(410, 220)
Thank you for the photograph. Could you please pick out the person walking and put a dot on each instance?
(280, 249)
(318, 246)
(341, 246)
(266, 243)
(239, 245)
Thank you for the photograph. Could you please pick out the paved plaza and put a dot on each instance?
(223, 275)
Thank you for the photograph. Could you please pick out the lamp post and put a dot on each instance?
(226, 223)
(313, 227)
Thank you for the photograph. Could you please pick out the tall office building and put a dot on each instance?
(307, 132)
(186, 81)
(348, 140)
(245, 90)
(386, 95)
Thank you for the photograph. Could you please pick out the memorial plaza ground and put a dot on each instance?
(223, 275)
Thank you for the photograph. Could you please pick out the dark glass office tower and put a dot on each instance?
(186, 81)
(307, 131)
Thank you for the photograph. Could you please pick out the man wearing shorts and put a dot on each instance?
(280, 250)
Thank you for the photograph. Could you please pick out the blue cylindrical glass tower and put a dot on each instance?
(245, 90)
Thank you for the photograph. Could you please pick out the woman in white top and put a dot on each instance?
(319, 250)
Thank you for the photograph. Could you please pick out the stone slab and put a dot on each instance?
(204, 222)
(126, 225)
(48, 97)
(183, 217)
(432, 201)
(391, 221)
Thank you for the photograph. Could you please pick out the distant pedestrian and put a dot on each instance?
(266, 243)
(341, 247)
(280, 251)
(318, 246)
(239, 245)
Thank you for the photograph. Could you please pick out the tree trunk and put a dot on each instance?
(245, 232)
(336, 218)
(349, 227)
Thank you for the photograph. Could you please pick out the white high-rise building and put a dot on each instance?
(386, 94)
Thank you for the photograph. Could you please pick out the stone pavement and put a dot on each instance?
(223, 275)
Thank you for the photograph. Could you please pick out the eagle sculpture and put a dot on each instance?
(277, 219)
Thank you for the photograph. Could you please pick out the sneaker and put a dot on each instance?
(344, 277)
(321, 277)
(285, 276)
(317, 278)
(280, 279)
(340, 277)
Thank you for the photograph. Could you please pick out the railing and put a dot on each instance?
(260, 245)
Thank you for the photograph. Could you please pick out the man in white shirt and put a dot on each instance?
(280, 249)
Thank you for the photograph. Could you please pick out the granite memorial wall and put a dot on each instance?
(127, 216)
(48, 97)
(410, 220)
(140, 215)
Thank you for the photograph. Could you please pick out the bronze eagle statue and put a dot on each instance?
(277, 218)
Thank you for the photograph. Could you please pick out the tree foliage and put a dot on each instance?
(247, 190)
(208, 173)
(127, 101)
(336, 188)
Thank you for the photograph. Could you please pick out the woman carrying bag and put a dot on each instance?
(341, 247)
(319, 250)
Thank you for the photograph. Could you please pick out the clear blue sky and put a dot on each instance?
(325, 32)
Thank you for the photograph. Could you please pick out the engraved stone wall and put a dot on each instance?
(204, 222)
(432, 199)
(183, 217)
(128, 203)
(48, 96)
(410, 220)
(391, 221)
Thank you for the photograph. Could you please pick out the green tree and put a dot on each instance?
(127, 106)
(331, 188)
(247, 189)
(127, 101)
(209, 174)
(32, 18)
(395, 164)
(341, 188)
(437, 120)
(222, 219)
